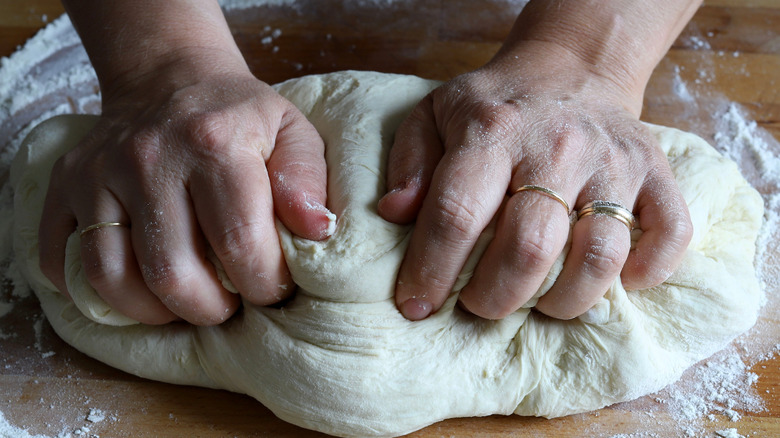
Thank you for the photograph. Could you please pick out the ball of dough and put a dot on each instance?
(339, 358)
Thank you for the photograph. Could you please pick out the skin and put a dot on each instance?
(192, 151)
(558, 106)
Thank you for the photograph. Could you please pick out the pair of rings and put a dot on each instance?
(606, 208)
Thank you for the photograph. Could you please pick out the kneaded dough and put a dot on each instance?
(339, 358)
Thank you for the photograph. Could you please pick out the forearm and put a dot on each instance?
(129, 40)
(621, 40)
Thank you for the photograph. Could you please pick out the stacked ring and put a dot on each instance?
(545, 191)
(610, 209)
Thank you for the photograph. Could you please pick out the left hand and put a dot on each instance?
(543, 121)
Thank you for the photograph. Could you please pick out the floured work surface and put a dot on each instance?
(339, 358)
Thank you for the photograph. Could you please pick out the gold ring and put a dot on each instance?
(545, 191)
(100, 225)
(610, 209)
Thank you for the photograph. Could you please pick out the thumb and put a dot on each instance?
(299, 178)
(413, 158)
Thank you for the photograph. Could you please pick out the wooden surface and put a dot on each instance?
(729, 53)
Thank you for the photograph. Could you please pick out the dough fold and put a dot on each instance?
(340, 359)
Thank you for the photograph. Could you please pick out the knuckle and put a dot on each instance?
(103, 272)
(210, 132)
(679, 229)
(166, 278)
(534, 250)
(457, 219)
(426, 281)
(238, 242)
(497, 120)
(142, 153)
(435, 283)
(602, 259)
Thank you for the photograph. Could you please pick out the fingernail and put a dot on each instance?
(330, 228)
(415, 310)
(414, 181)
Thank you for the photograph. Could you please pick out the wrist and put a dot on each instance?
(545, 68)
(618, 41)
(134, 43)
(171, 71)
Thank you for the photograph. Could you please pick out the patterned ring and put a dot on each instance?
(610, 209)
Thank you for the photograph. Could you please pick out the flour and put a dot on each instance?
(723, 388)
(7, 430)
(740, 139)
(720, 388)
(680, 88)
(729, 433)
(96, 415)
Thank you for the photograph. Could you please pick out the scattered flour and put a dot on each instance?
(96, 415)
(737, 136)
(696, 42)
(8, 430)
(729, 433)
(723, 385)
(680, 88)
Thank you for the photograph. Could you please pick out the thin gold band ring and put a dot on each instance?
(100, 225)
(545, 191)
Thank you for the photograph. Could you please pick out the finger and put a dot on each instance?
(172, 257)
(531, 233)
(460, 204)
(410, 165)
(599, 248)
(111, 268)
(57, 223)
(666, 232)
(236, 212)
(299, 179)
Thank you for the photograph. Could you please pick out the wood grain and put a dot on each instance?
(729, 53)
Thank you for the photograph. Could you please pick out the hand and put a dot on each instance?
(187, 162)
(529, 119)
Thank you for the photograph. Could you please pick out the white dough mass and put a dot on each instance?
(339, 358)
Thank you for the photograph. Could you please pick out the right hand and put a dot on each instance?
(187, 160)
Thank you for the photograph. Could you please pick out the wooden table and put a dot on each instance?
(730, 52)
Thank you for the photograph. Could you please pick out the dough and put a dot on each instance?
(340, 359)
